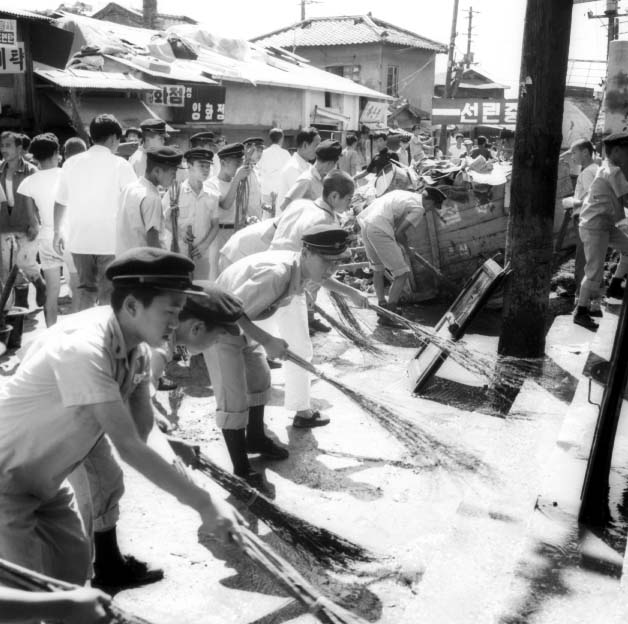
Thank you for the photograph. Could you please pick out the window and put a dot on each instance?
(392, 81)
(352, 72)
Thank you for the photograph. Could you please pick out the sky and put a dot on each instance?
(497, 32)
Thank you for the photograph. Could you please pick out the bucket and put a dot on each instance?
(5, 334)
(15, 317)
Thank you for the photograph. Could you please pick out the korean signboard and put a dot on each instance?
(474, 111)
(8, 32)
(12, 59)
(374, 114)
(190, 103)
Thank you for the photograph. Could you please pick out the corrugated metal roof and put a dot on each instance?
(86, 79)
(28, 15)
(345, 30)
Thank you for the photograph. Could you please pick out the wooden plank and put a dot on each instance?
(454, 322)
(432, 238)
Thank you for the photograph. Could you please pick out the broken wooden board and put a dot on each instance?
(475, 293)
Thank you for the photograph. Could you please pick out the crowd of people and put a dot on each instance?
(221, 250)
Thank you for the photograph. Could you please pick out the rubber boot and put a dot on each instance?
(114, 570)
(256, 439)
(235, 439)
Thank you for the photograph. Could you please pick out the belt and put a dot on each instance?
(226, 226)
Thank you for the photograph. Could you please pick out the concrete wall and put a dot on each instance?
(263, 106)
(416, 67)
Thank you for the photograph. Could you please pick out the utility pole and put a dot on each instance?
(534, 174)
(468, 57)
(302, 10)
(448, 76)
(149, 13)
(612, 28)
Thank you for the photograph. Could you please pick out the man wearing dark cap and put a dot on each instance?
(88, 195)
(603, 208)
(203, 140)
(154, 135)
(384, 227)
(140, 217)
(132, 135)
(83, 378)
(197, 216)
(309, 185)
(234, 189)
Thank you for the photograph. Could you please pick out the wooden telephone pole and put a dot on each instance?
(449, 75)
(534, 174)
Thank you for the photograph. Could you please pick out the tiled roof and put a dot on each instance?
(28, 15)
(344, 30)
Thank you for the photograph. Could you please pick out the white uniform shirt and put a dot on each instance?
(263, 281)
(254, 205)
(41, 187)
(273, 160)
(44, 432)
(608, 195)
(388, 211)
(289, 174)
(309, 185)
(91, 185)
(140, 211)
(297, 218)
(137, 160)
(198, 211)
(583, 183)
(250, 240)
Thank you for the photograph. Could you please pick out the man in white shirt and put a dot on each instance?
(458, 149)
(154, 136)
(309, 185)
(582, 154)
(89, 192)
(273, 160)
(307, 141)
(197, 219)
(140, 218)
(39, 192)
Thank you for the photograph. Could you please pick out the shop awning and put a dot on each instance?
(128, 111)
(85, 79)
(328, 113)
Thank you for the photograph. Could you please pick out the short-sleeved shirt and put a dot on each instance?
(390, 210)
(264, 281)
(196, 210)
(349, 161)
(250, 240)
(604, 204)
(583, 183)
(456, 152)
(137, 160)
(91, 186)
(253, 208)
(289, 174)
(309, 185)
(140, 211)
(41, 187)
(44, 429)
(297, 218)
(273, 159)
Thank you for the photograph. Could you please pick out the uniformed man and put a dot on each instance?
(233, 170)
(78, 381)
(249, 240)
(154, 135)
(384, 227)
(197, 218)
(309, 185)
(206, 141)
(306, 141)
(140, 217)
(267, 283)
(132, 135)
(603, 208)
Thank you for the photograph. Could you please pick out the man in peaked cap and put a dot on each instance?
(309, 185)
(154, 135)
(203, 140)
(140, 216)
(267, 283)
(240, 196)
(603, 208)
(197, 218)
(87, 376)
